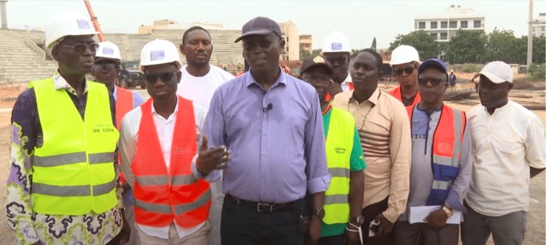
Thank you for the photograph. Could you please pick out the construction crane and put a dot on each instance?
(95, 22)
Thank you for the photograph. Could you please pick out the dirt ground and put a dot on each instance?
(536, 232)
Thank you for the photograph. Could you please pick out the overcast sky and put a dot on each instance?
(360, 21)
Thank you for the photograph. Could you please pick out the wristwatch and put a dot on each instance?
(448, 211)
(319, 213)
(358, 220)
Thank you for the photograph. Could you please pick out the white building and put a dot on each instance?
(444, 26)
(539, 25)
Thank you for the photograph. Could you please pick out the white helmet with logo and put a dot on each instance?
(67, 23)
(108, 50)
(158, 52)
(336, 42)
(404, 54)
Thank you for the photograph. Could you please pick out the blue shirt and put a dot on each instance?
(275, 138)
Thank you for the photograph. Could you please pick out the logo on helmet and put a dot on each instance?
(108, 51)
(157, 55)
(83, 24)
(336, 46)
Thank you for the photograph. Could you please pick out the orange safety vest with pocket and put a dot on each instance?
(446, 146)
(162, 195)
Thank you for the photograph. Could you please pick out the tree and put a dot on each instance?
(539, 50)
(303, 53)
(374, 44)
(504, 46)
(467, 47)
(316, 52)
(425, 44)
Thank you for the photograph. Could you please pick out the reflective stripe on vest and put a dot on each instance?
(124, 104)
(446, 144)
(73, 169)
(339, 143)
(163, 196)
(397, 94)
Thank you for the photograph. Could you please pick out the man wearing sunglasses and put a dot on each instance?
(105, 70)
(158, 144)
(336, 49)
(271, 122)
(441, 162)
(404, 62)
(62, 187)
(198, 82)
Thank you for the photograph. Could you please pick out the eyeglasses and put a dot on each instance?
(80, 47)
(105, 66)
(434, 81)
(165, 77)
(333, 60)
(407, 70)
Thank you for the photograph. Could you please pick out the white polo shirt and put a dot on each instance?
(504, 146)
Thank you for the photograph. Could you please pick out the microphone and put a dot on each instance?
(268, 107)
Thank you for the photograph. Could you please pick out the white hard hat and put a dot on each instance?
(108, 50)
(67, 23)
(404, 54)
(158, 52)
(336, 42)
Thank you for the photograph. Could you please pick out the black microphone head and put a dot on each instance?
(269, 106)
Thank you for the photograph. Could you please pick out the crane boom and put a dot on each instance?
(94, 21)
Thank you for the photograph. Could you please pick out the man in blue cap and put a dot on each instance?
(272, 125)
(440, 165)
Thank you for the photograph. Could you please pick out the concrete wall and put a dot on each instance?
(20, 63)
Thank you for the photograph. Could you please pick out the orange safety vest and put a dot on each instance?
(397, 94)
(161, 195)
(124, 104)
(445, 151)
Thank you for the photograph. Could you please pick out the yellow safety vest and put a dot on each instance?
(73, 171)
(339, 143)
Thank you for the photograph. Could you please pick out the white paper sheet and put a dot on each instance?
(417, 214)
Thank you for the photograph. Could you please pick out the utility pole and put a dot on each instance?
(3, 14)
(530, 36)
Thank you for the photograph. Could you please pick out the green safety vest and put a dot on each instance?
(73, 171)
(339, 143)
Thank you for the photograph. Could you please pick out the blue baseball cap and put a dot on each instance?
(437, 63)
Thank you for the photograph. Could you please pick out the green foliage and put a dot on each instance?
(467, 47)
(504, 46)
(536, 72)
(425, 44)
(316, 52)
(471, 68)
(539, 50)
(303, 53)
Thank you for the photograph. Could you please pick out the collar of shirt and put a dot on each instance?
(374, 98)
(114, 93)
(501, 109)
(249, 79)
(171, 116)
(59, 82)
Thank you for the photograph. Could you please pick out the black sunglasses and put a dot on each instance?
(80, 47)
(407, 70)
(434, 81)
(164, 76)
(105, 66)
(340, 60)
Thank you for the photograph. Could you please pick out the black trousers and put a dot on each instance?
(369, 214)
(242, 224)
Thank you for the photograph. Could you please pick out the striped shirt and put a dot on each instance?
(385, 137)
